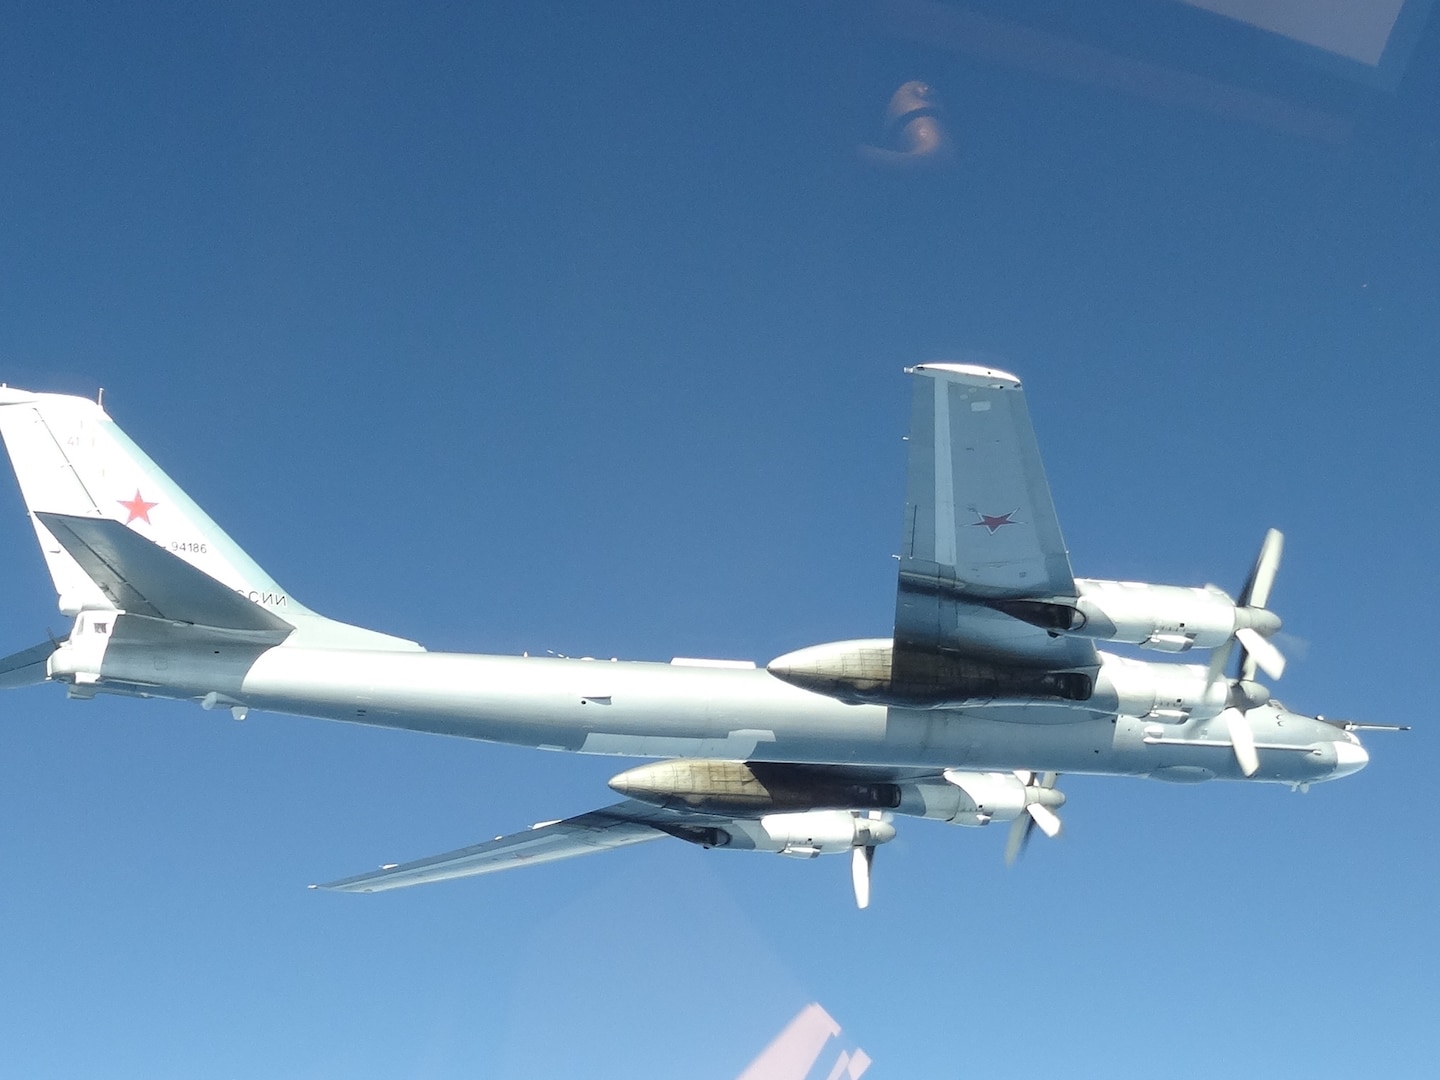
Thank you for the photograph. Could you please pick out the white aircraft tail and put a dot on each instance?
(80, 475)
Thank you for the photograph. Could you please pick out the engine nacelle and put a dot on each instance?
(821, 832)
(868, 671)
(1170, 618)
(750, 787)
(1166, 617)
(974, 798)
(1170, 693)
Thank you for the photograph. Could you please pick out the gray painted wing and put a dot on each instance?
(600, 830)
(980, 525)
(615, 826)
(143, 578)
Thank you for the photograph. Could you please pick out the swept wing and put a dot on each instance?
(787, 808)
(980, 527)
(625, 823)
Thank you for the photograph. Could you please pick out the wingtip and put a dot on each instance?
(978, 374)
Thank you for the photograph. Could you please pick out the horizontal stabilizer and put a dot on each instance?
(27, 667)
(600, 830)
(140, 577)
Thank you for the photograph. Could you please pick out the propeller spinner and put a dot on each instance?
(1040, 797)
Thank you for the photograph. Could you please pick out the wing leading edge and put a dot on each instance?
(617, 826)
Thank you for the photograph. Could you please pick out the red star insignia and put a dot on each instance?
(137, 508)
(993, 523)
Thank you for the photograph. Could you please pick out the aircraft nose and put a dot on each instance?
(1350, 757)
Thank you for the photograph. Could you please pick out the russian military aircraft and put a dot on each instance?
(991, 686)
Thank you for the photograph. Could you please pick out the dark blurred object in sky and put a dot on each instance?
(915, 131)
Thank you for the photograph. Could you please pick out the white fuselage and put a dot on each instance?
(691, 709)
(668, 710)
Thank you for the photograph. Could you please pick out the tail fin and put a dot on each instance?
(72, 461)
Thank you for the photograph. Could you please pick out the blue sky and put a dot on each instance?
(581, 328)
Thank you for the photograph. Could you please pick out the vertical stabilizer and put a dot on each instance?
(72, 460)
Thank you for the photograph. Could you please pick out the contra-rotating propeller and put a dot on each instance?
(1040, 797)
(1254, 638)
(1254, 623)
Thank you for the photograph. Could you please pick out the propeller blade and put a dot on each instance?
(861, 859)
(1243, 740)
(1046, 818)
(1259, 651)
(1219, 661)
(1020, 830)
(1262, 578)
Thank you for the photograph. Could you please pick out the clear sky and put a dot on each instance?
(538, 326)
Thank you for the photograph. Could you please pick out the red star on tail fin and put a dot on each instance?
(993, 523)
(137, 508)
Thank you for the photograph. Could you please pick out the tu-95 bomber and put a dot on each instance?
(993, 684)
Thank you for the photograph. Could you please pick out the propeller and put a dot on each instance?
(1038, 813)
(1254, 622)
(1242, 739)
(862, 858)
